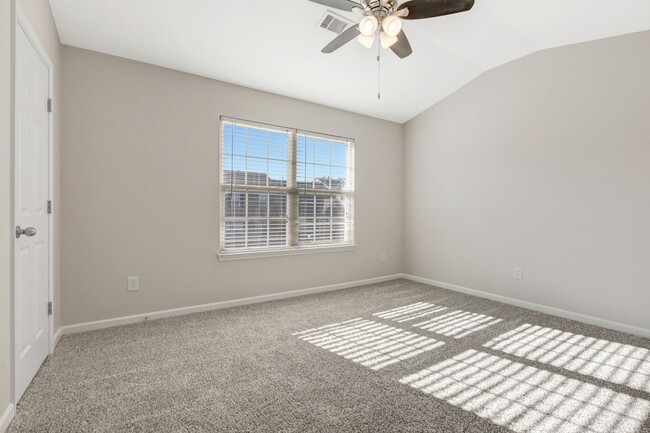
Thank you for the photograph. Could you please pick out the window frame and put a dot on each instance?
(293, 193)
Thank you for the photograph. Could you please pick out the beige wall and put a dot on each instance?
(544, 164)
(40, 17)
(6, 19)
(140, 179)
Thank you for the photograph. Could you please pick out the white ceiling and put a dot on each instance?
(275, 45)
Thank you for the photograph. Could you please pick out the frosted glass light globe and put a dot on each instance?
(368, 25)
(392, 25)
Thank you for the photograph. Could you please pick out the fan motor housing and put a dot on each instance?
(379, 8)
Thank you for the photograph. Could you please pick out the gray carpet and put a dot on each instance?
(396, 356)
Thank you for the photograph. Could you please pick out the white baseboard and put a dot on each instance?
(100, 324)
(57, 335)
(609, 324)
(6, 417)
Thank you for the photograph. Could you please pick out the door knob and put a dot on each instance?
(28, 231)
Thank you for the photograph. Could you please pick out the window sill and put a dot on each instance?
(244, 255)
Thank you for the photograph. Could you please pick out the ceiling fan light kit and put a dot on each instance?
(366, 41)
(392, 25)
(385, 17)
(387, 41)
(368, 25)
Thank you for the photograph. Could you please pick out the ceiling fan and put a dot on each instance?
(384, 17)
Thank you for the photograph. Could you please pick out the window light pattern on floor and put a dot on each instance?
(458, 324)
(369, 343)
(410, 312)
(606, 360)
(527, 399)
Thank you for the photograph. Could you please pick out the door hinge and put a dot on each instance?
(49, 105)
(49, 308)
(49, 206)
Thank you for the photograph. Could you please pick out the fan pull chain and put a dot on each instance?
(378, 70)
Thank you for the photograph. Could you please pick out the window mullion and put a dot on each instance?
(331, 200)
(268, 195)
(292, 192)
(247, 221)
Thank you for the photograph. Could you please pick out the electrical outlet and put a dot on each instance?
(133, 284)
(519, 274)
(382, 257)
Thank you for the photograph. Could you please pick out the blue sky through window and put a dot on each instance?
(263, 151)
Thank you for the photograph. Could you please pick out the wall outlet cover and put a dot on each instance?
(133, 284)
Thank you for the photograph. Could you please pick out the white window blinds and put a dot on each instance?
(283, 188)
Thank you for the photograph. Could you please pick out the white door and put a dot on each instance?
(31, 212)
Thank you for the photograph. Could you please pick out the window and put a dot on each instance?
(284, 190)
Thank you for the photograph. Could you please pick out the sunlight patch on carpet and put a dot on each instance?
(458, 323)
(410, 312)
(369, 343)
(527, 399)
(606, 360)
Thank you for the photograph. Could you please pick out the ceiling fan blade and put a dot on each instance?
(419, 9)
(345, 5)
(402, 47)
(342, 39)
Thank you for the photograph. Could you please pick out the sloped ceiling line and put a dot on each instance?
(226, 41)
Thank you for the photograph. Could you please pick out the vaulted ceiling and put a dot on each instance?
(275, 45)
